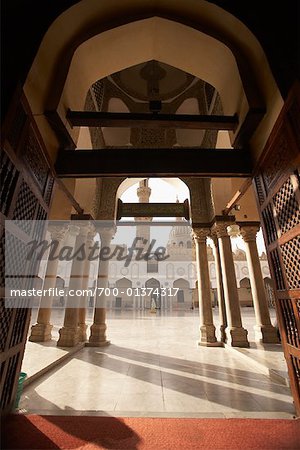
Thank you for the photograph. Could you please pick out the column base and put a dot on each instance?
(208, 336)
(97, 344)
(237, 337)
(41, 332)
(68, 337)
(82, 336)
(98, 336)
(210, 344)
(223, 333)
(266, 334)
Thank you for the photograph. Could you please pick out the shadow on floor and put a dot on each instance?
(129, 362)
(21, 432)
(202, 389)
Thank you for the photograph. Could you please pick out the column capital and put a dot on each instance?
(85, 224)
(220, 229)
(85, 229)
(214, 237)
(249, 232)
(91, 234)
(106, 234)
(74, 230)
(57, 233)
(201, 234)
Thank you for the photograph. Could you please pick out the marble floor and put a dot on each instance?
(154, 367)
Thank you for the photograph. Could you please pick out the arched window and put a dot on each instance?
(245, 283)
(170, 270)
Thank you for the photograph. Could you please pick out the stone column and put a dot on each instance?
(264, 330)
(236, 335)
(85, 284)
(69, 333)
(207, 328)
(220, 288)
(41, 331)
(98, 329)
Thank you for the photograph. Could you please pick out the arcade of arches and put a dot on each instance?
(113, 93)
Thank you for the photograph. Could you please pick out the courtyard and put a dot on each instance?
(154, 367)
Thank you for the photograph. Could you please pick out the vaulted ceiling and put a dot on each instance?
(24, 24)
(136, 89)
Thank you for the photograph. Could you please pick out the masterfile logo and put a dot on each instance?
(39, 252)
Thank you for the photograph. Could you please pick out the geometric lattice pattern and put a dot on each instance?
(16, 263)
(97, 138)
(5, 314)
(89, 104)
(290, 322)
(290, 254)
(269, 223)
(92, 104)
(259, 189)
(12, 364)
(277, 270)
(98, 91)
(2, 259)
(209, 93)
(296, 365)
(41, 213)
(151, 137)
(25, 207)
(287, 207)
(270, 295)
(34, 159)
(19, 325)
(21, 206)
(279, 161)
(8, 177)
(49, 189)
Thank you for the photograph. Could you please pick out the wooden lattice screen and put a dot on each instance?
(25, 195)
(278, 195)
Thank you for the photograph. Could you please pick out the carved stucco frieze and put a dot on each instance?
(96, 198)
(202, 208)
(106, 197)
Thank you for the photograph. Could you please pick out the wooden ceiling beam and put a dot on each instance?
(153, 162)
(151, 120)
(153, 210)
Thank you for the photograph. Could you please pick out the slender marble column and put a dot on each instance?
(220, 288)
(264, 330)
(207, 328)
(41, 331)
(98, 329)
(85, 285)
(69, 333)
(235, 333)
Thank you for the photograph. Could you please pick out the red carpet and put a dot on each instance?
(92, 433)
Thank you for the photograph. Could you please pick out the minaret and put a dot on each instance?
(178, 219)
(143, 231)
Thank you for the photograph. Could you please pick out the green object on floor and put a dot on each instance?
(22, 378)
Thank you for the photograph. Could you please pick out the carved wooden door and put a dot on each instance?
(278, 194)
